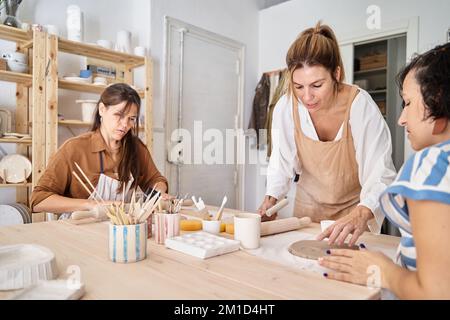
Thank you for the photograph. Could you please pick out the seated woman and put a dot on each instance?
(418, 202)
(111, 155)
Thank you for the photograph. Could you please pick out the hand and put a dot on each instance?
(268, 202)
(354, 223)
(166, 197)
(359, 267)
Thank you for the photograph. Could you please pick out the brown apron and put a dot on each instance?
(328, 188)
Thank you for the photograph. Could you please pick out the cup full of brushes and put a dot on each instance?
(167, 222)
(128, 229)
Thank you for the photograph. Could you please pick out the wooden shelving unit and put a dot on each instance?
(37, 95)
(21, 78)
(25, 100)
(122, 61)
(16, 141)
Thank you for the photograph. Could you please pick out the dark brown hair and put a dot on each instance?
(113, 95)
(432, 73)
(316, 47)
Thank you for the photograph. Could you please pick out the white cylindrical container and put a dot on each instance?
(247, 229)
(167, 225)
(127, 243)
(74, 23)
(88, 108)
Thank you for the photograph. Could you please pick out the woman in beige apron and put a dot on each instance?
(111, 156)
(329, 185)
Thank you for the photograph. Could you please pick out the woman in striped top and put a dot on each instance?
(418, 202)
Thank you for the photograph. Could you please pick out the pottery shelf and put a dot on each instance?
(86, 87)
(97, 52)
(18, 141)
(30, 100)
(15, 35)
(21, 78)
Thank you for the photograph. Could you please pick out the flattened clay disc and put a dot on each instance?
(314, 249)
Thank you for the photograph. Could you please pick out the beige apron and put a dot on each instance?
(328, 187)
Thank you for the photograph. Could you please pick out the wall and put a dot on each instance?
(346, 21)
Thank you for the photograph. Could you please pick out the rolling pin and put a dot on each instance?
(279, 205)
(283, 225)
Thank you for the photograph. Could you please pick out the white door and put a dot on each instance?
(203, 97)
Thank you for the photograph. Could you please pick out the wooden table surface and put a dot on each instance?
(168, 274)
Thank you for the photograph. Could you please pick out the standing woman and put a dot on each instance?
(334, 136)
(418, 202)
(111, 155)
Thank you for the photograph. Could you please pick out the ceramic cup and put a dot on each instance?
(123, 42)
(88, 108)
(166, 226)
(140, 51)
(127, 243)
(247, 229)
(51, 29)
(211, 226)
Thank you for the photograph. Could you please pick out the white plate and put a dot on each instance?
(10, 216)
(24, 265)
(51, 290)
(17, 166)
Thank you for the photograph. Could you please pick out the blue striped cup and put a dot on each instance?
(127, 243)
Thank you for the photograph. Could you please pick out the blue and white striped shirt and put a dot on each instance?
(425, 176)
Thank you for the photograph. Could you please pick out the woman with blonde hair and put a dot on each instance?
(333, 135)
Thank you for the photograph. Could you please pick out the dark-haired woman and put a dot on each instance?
(418, 202)
(111, 155)
(334, 136)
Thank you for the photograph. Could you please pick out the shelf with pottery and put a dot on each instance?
(14, 34)
(31, 103)
(100, 53)
(18, 141)
(87, 87)
(22, 78)
(123, 62)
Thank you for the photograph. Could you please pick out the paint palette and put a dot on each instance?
(202, 244)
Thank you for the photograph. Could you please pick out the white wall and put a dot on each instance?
(280, 25)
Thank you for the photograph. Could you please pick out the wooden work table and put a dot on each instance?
(168, 274)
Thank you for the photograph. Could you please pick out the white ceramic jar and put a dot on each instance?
(73, 23)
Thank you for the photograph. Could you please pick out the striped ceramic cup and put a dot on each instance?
(127, 243)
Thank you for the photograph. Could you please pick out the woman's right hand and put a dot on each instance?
(267, 203)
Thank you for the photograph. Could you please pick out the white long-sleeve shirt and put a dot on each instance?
(372, 140)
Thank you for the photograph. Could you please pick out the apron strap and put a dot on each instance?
(101, 162)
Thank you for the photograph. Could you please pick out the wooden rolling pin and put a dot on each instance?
(283, 225)
(279, 205)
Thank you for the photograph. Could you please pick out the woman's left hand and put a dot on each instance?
(354, 223)
(357, 266)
